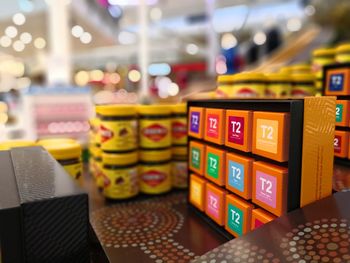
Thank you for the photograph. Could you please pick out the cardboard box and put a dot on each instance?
(214, 126)
(197, 157)
(239, 126)
(239, 171)
(270, 187)
(337, 82)
(237, 215)
(215, 165)
(196, 122)
(271, 135)
(341, 144)
(215, 203)
(260, 217)
(197, 192)
(342, 113)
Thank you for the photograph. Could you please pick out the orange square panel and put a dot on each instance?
(239, 171)
(342, 113)
(260, 217)
(214, 125)
(271, 135)
(215, 165)
(237, 215)
(338, 82)
(239, 126)
(196, 122)
(341, 144)
(215, 203)
(197, 157)
(270, 187)
(197, 191)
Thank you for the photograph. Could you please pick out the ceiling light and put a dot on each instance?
(173, 89)
(18, 46)
(96, 75)
(77, 31)
(5, 41)
(156, 14)
(134, 75)
(115, 11)
(259, 38)
(310, 10)
(228, 41)
(192, 49)
(114, 78)
(127, 38)
(39, 43)
(81, 78)
(18, 19)
(159, 69)
(26, 37)
(86, 38)
(11, 31)
(294, 24)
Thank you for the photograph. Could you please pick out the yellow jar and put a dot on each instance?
(96, 167)
(248, 85)
(343, 53)
(301, 68)
(118, 127)
(303, 85)
(67, 152)
(286, 70)
(179, 124)
(155, 171)
(154, 126)
(179, 169)
(92, 154)
(8, 145)
(322, 57)
(94, 129)
(121, 175)
(279, 85)
(224, 86)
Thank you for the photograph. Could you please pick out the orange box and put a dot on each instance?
(271, 135)
(261, 217)
(238, 215)
(215, 165)
(342, 113)
(270, 187)
(197, 191)
(338, 82)
(341, 144)
(214, 125)
(197, 157)
(215, 203)
(196, 122)
(239, 126)
(239, 171)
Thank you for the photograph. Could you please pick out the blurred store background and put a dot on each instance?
(58, 58)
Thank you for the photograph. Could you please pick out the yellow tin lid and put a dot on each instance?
(7, 145)
(225, 78)
(179, 108)
(303, 77)
(278, 76)
(343, 48)
(155, 155)
(286, 70)
(116, 110)
(249, 76)
(301, 68)
(179, 150)
(320, 52)
(154, 109)
(119, 158)
(62, 149)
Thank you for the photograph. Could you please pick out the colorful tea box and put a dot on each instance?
(237, 215)
(239, 126)
(239, 171)
(271, 135)
(197, 157)
(215, 165)
(270, 187)
(338, 82)
(260, 217)
(197, 191)
(214, 125)
(342, 113)
(215, 203)
(196, 122)
(341, 144)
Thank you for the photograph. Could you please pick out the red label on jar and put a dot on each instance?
(179, 130)
(153, 178)
(247, 92)
(106, 134)
(155, 132)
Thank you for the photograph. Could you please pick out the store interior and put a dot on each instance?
(174, 131)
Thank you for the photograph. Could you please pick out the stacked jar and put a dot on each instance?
(94, 146)
(321, 57)
(179, 142)
(279, 85)
(118, 138)
(343, 53)
(303, 85)
(155, 148)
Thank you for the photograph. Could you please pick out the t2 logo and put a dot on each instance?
(236, 127)
(235, 217)
(266, 185)
(267, 132)
(236, 172)
(213, 162)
